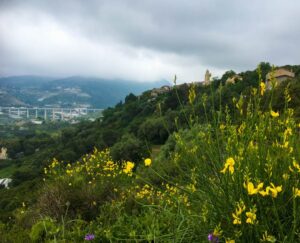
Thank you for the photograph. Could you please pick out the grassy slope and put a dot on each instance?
(7, 171)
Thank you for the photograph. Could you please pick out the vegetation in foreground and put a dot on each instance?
(232, 178)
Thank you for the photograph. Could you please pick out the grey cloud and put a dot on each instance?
(221, 35)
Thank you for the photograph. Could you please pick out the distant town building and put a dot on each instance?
(5, 181)
(3, 153)
(279, 75)
(234, 79)
(207, 77)
(206, 81)
(164, 89)
(36, 122)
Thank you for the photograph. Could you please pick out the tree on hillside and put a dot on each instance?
(129, 148)
(153, 130)
(130, 98)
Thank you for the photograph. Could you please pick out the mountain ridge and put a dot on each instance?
(30, 90)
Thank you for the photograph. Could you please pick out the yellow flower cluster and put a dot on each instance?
(262, 157)
(238, 212)
(110, 169)
(271, 190)
(145, 192)
(170, 195)
(229, 241)
(98, 164)
(295, 167)
(267, 238)
(251, 216)
(296, 192)
(128, 167)
(229, 165)
(251, 189)
(52, 167)
(218, 231)
(287, 133)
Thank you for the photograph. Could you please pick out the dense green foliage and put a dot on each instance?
(185, 186)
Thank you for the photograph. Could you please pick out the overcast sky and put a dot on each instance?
(146, 39)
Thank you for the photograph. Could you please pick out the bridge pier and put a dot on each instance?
(48, 112)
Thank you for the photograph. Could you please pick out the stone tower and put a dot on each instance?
(207, 77)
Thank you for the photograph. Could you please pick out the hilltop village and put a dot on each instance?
(279, 75)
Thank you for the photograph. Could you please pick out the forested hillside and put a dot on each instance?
(150, 168)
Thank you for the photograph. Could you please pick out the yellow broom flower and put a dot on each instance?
(229, 165)
(147, 162)
(274, 114)
(262, 88)
(296, 192)
(251, 189)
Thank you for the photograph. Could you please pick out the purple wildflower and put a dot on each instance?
(211, 237)
(89, 237)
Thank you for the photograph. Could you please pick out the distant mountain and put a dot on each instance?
(9, 100)
(68, 92)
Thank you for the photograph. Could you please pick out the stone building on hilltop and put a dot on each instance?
(164, 89)
(279, 76)
(234, 79)
(207, 77)
(206, 81)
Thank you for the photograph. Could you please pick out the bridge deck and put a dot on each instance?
(54, 113)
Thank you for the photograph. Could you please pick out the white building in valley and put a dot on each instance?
(5, 181)
(3, 153)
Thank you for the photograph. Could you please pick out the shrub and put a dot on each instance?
(129, 148)
(43, 230)
(245, 174)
